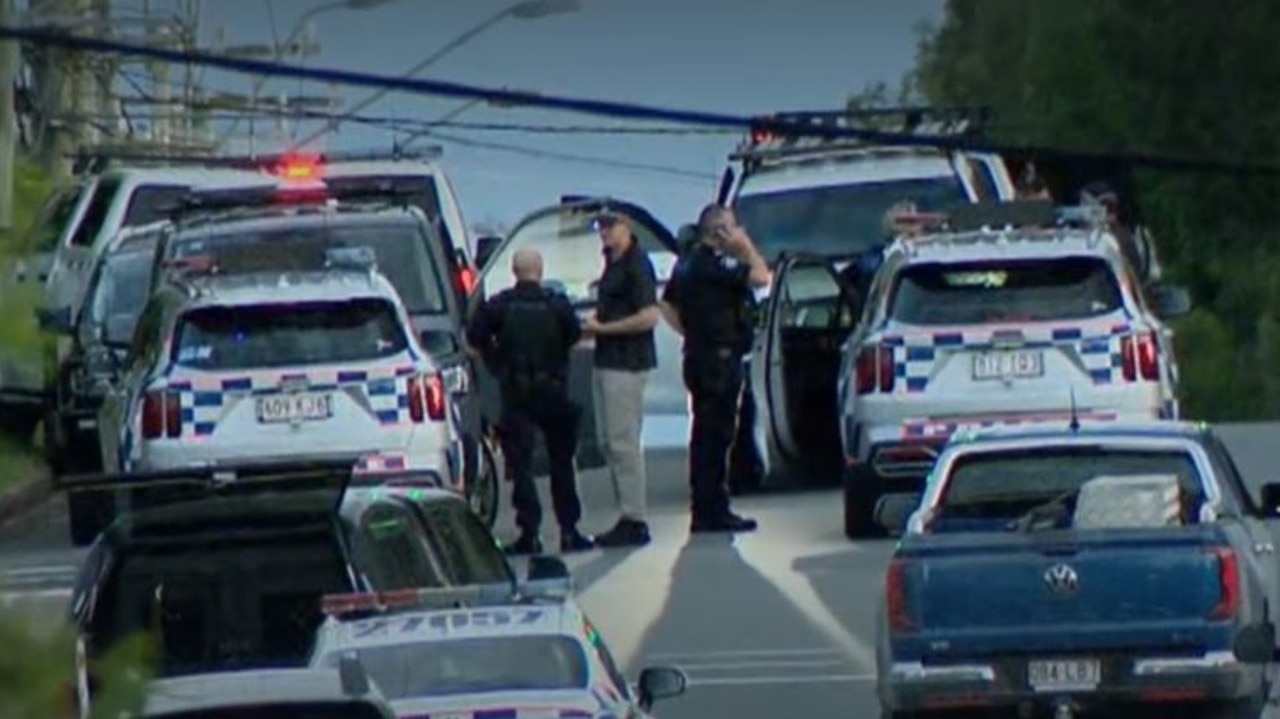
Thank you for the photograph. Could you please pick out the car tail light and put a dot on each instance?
(426, 398)
(875, 369)
(299, 168)
(1228, 583)
(466, 279)
(161, 414)
(1140, 356)
(900, 619)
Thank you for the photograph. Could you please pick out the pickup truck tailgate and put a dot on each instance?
(1029, 591)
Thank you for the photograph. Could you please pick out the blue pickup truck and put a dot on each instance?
(1076, 567)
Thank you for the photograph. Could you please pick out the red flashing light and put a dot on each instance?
(467, 278)
(299, 168)
(336, 604)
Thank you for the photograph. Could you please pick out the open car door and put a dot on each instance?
(809, 314)
(573, 260)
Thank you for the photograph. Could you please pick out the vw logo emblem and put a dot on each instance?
(1061, 579)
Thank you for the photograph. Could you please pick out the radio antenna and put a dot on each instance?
(1075, 418)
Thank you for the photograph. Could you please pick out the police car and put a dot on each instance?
(973, 325)
(486, 651)
(341, 693)
(276, 365)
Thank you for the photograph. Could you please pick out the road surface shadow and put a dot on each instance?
(849, 582)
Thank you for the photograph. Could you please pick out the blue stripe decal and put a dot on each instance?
(949, 339)
(405, 371)
(180, 386)
(1100, 376)
(382, 387)
(323, 387)
(495, 714)
(188, 415)
(388, 416)
(402, 401)
(205, 428)
(1095, 347)
(917, 384)
(894, 341)
(900, 370)
(352, 376)
(1117, 361)
(920, 354)
(240, 383)
(1067, 333)
(207, 399)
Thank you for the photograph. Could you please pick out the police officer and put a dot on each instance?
(709, 300)
(524, 334)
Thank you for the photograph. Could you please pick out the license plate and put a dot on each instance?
(999, 365)
(1064, 674)
(294, 408)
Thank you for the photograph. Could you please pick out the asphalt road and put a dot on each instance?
(775, 623)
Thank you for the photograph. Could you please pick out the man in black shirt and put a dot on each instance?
(625, 354)
(524, 335)
(709, 300)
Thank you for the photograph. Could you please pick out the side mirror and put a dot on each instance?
(893, 511)
(544, 568)
(1170, 302)
(660, 683)
(1271, 499)
(485, 247)
(55, 320)
(1255, 643)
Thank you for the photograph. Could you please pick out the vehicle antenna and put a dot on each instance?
(1075, 418)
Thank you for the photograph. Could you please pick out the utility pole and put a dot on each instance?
(8, 118)
(50, 75)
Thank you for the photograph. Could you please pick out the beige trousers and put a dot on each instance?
(618, 396)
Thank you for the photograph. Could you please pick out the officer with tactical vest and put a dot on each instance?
(710, 301)
(524, 334)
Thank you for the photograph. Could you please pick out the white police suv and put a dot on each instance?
(966, 324)
(275, 365)
(486, 651)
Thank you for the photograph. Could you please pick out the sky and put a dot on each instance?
(725, 56)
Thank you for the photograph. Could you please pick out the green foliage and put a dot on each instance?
(1155, 76)
(18, 331)
(37, 672)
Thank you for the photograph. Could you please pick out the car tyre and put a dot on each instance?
(862, 489)
(483, 488)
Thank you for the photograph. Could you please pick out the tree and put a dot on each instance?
(1152, 76)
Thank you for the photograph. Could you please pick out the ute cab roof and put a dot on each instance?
(263, 689)
(1099, 428)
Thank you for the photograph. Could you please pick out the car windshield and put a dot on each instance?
(474, 666)
(1066, 288)
(402, 254)
(839, 219)
(988, 485)
(292, 334)
(351, 709)
(119, 294)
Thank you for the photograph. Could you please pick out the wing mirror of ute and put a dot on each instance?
(485, 247)
(1256, 643)
(660, 683)
(1171, 302)
(54, 320)
(893, 511)
(1271, 499)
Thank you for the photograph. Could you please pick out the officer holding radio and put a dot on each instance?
(710, 301)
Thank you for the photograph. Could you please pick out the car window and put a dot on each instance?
(117, 294)
(402, 250)
(473, 665)
(570, 249)
(811, 297)
(151, 203)
(1224, 466)
(930, 293)
(838, 219)
(391, 552)
(53, 219)
(95, 215)
(468, 549)
(146, 334)
(285, 335)
(1006, 484)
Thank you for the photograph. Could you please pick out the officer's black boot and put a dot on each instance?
(571, 540)
(528, 543)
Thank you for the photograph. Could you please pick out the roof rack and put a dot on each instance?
(998, 216)
(259, 259)
(92, 160)
(792, 134)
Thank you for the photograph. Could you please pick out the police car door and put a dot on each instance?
(808, 315)
(573, 260)
(985, 176)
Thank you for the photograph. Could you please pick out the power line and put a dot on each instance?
(61, 38)
(581, 159)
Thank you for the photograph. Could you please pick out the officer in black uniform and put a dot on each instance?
(524, 335)
(710, 301)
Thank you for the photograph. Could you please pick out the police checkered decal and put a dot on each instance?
(205, 402)
(915, 355)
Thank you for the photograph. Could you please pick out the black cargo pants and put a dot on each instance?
(551, 411)
(714, 378)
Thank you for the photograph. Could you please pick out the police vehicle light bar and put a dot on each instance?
(96, 159)
(998, 215)
(340, 605)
